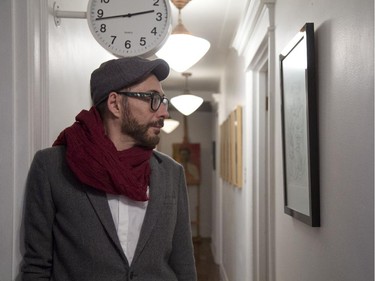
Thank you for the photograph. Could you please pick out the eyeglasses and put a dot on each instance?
(156, 99)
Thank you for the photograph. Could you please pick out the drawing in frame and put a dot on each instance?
(300, 128)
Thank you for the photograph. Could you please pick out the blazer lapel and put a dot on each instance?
(157, 194)
(99, 202)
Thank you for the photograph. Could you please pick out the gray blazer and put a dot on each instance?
(70, 234)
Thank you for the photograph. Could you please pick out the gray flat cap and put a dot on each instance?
(117, 74)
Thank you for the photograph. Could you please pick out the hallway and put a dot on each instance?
(206, 268)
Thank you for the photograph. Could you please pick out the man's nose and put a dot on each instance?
(163, 111)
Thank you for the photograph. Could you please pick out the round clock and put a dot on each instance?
(128, 28)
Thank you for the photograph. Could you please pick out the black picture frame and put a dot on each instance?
(299, 112)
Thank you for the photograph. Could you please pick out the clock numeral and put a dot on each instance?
(100, 13)
(156, 3)
(103, 28)
(113, 39)
(142, 41)
(128, 44)
(159, 16)
(104, 1)
(153, 31)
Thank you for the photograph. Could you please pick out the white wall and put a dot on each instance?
(236, 215)
(73, 55)
(342, 248)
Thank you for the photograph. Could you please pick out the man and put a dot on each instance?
(101, 204)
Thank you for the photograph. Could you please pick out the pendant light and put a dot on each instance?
(170, 125)
(182, 49)
(186, 103)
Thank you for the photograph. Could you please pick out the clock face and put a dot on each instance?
(130, 28)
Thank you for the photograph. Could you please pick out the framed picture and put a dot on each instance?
(236, 143)
(231, 148)
(224, 152)
(300, 128)
(188, 154)
(238, 146)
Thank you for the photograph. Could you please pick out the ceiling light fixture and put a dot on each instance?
(170, 125)
(182, 49)
(186, 103)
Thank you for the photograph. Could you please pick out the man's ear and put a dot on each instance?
(114, 104)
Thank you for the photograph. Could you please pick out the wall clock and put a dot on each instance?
(128, 28)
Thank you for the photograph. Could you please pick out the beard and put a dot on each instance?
(131, 127)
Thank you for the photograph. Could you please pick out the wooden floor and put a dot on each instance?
(206, 268)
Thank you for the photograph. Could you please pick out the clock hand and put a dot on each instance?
(128, 15)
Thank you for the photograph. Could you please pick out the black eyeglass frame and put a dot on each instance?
(151, 95)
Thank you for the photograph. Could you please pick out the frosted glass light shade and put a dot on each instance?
(170, 125)
(186, 104)
(182, 51)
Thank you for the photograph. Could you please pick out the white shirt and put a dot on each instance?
(128, 217)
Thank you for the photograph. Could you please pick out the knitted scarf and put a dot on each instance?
(94, 159)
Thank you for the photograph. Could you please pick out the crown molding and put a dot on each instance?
(253, 30)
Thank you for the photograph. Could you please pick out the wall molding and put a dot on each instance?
(38, 74)
(30, 104)
(254, 28)
(255, 42)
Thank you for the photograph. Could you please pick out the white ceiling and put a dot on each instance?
(216, 21)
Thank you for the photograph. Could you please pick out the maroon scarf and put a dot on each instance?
(94, 159)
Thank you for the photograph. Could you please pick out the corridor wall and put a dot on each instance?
(342, 249)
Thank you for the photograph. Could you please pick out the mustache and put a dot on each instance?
(159, 123)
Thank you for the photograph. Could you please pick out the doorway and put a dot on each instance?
(262, 252)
